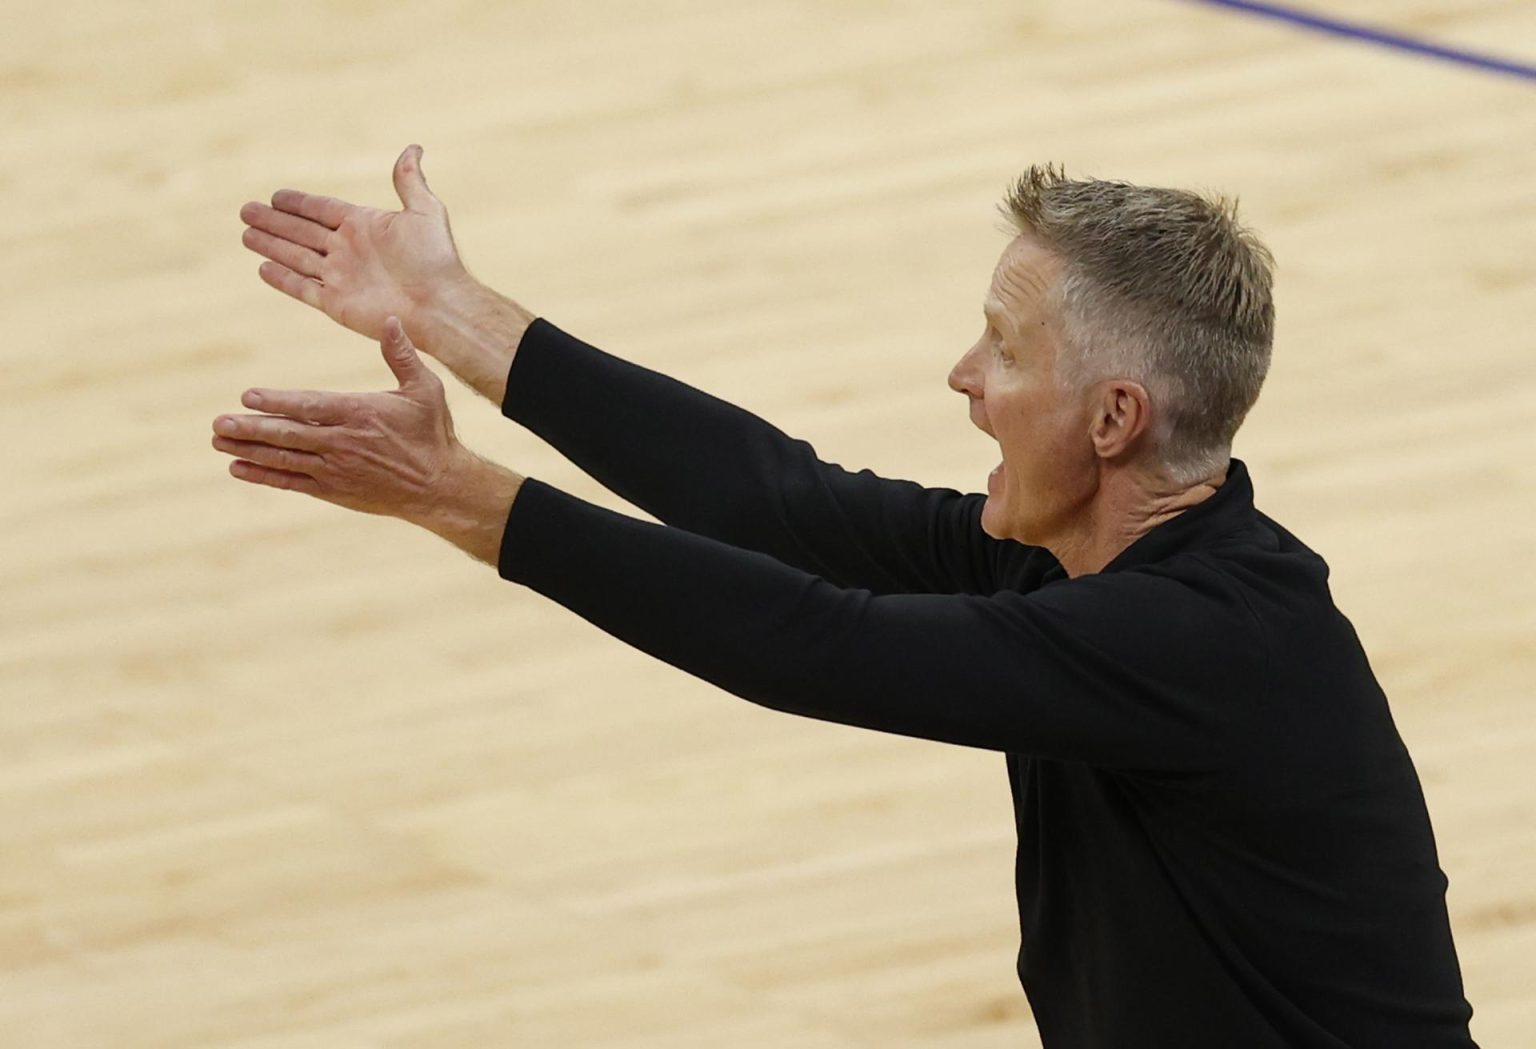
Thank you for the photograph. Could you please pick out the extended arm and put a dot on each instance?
(1080, 670)
(677, 453)
(698, 462)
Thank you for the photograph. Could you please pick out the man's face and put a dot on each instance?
(1047, 473)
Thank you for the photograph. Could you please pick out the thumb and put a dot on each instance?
(400, 355)
(411, 184)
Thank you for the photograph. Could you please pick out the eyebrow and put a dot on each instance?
(995, 312)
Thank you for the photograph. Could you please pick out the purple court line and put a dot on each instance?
(1380, 37)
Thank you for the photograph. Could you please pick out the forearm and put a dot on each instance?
(698, 462)
(474, 331)
(1073, 672)
(746, 622)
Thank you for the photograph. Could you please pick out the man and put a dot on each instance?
(1222, 841)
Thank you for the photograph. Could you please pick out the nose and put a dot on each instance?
(965, 376)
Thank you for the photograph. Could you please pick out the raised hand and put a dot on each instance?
(386, 453)
(356, 264)
(392, 453)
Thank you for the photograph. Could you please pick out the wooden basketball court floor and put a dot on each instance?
(276, 775)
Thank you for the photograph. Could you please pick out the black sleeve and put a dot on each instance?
(1081, 670)
(697, 462)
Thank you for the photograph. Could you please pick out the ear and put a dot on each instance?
(1122, 413)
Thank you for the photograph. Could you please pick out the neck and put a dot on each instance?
(1126, 504)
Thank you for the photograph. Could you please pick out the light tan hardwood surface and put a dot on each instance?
(277, 776)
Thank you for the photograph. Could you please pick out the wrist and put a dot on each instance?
(474, 331)
(470, 505)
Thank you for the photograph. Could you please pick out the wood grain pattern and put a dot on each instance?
(273, 775)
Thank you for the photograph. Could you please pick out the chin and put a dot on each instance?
(991, 522)
(995, 523)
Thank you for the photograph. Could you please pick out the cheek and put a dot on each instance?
(1023, 427)
(1041, 444)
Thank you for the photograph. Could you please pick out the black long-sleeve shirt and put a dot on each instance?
(1222, 841)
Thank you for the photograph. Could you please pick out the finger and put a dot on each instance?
(294, 256)
(328, 211)
(277, 431)
(258, 474)
(411, 184)
(289, 227)
(400, 355)
(285, 459)
(310, 406)
(306, 289)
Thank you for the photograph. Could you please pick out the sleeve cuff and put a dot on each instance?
(539, 347)
(532, 533)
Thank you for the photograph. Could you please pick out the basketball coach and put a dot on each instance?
(1222, 841)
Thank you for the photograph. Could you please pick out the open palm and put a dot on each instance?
(358, 265)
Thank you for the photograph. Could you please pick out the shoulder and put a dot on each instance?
(1169, 592)
(1183, 609)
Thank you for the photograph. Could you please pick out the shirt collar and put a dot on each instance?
(1228, 510)
(1225, 512)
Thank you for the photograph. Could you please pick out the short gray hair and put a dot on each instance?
(1162, 286)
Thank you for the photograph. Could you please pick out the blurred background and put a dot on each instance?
(277, 775)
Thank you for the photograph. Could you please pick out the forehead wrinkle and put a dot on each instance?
(1018, 296)
(1024, 282)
